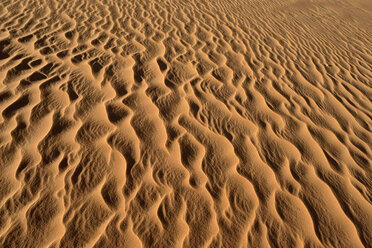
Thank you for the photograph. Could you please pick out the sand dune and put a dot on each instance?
(186, 123)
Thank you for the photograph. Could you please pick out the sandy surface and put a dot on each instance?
(169, 123)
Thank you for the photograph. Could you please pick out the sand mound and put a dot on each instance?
(169, 123)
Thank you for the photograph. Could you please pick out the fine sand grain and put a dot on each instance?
(185, 123)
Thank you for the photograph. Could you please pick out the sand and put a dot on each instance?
(196, 123)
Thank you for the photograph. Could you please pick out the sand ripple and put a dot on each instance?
(185, 123)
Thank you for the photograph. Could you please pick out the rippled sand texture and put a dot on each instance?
(185, 123)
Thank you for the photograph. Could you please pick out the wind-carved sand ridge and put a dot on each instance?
(185, 123)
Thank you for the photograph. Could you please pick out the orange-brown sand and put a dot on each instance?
(185, 123)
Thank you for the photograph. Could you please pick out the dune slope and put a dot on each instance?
(169, 123)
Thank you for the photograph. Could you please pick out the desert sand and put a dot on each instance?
(193, 123)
